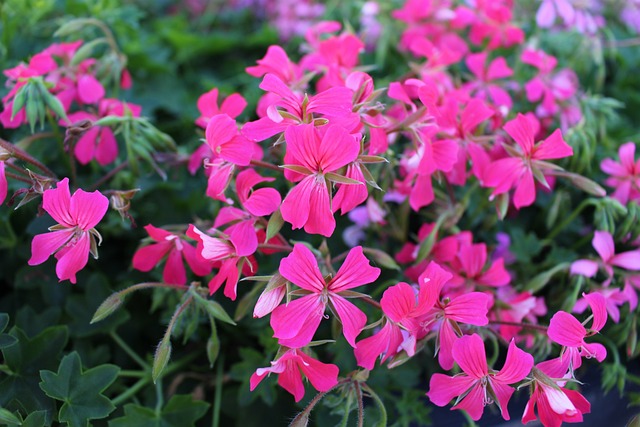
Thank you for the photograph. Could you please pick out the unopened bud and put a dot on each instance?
(121, 202)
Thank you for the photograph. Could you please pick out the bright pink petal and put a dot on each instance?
(244, 238)
(447, 337)
(263, 201)
(473, 402)
(174, 272)
(88, 209)
(233, 105)
(197, 264)
(503, 393)
(57, 202)
(295, 208)
(302, 314)
(473, 258)
(431, 282)
(598, 306)
(322, 376)
(84, 149)
(148, 257)
(525, 193)
(498, 69)
(321, 220)
(220, 129)
(398, 301)
(566, 330)
(107, 149)
(337, 149)
(384, 343)
(45, 245)
(521, 129)
(469, 354)
(90, 90)
(269, 299)
(553, 147)
(627, 260)
(603, 244)
(291, 380)
(351, 317)
(516, 367)
(469, 308)
(3, 183)
(355, 271)
(72, 259)
(584, 267)
(496, 275)
(443, 388)
(301, 269)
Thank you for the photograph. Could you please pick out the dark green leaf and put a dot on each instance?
(181, 411)
(80, 391)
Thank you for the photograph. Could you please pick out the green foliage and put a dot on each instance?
(81, 391)
(180, 411)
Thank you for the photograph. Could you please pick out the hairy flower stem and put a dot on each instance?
(19, 153)
(265, 165)
(109, 175)
(356, 385)
(217, 398)
(18, 177)
(522, 325)
(124, 346)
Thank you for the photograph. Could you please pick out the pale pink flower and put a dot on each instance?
(624, 175)
(74, 237)
(174, 248)
(604, 245)
(518, 171)
(478, 386)
(322, 376)
(295, 323)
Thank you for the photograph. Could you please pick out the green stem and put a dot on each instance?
(131, 391)
(159, 397)
(217, 398)
(356, 384)
(379, 404)
(568, 220)
(124, 346)
(132, 374)
(19, 153)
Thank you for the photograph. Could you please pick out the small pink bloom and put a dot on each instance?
(604, 245)
(295, 323)
(477, 386)
(74, 237)
(555, 403)
(322, 376)
(174, 248)
(567, 331)
(308, 204)
(518, 171)
(232, 106)
(3, 183)
(624, 175)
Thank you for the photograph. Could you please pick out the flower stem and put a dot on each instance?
(124, 346)
(217, 398)
(522, 325)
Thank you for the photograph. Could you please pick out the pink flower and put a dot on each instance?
(604, 245)
(519, 170)
(322, 376)
(174, 248)
(3, 183)
(567, 331)
(470, 263)
(555, 404)
(73, 238)
(99, 142)
(232, 106)
(625, 176)
(316, 156)
(484, 87)
(403, 309)
(295, 323)
(477, 386)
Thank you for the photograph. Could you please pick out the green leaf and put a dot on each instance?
(8, 417)
(212, 308)
(25, 359)
(275, 224)
(35, 419)
(5, 339)
(181, 411)
(80, 391)
(381, 258)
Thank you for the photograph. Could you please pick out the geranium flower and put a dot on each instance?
(75, 236)
(477, 386)
(624, 175)
(295, 323)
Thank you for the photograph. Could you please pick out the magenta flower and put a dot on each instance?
(74, 237)
(4, 186)
(403, 308)
(567, 331)
(322, 376)
(174, 248)
(604, 245)
(99, 142)
(477, 386)
(484, 86)
(295, 323)
(555, 404)
(519, 170)
(316, 156)
(625, 175)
